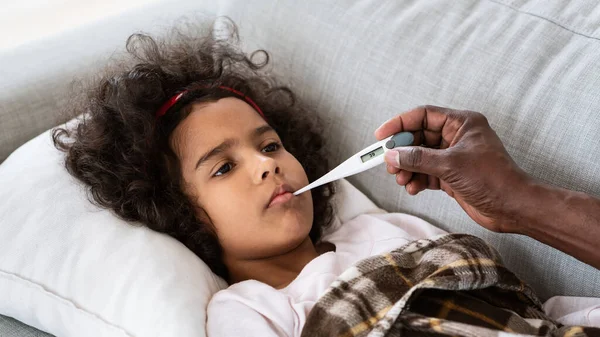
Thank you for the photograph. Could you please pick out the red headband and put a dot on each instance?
(165, 107)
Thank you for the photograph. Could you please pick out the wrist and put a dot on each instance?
(535, 205)
(544, 206)
(566, 220)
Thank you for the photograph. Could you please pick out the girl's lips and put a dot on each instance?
(281, 199)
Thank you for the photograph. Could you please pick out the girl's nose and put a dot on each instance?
(266, 166)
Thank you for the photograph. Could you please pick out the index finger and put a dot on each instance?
(428, 120)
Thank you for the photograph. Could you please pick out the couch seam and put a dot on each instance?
(553, 21)
(57, 298)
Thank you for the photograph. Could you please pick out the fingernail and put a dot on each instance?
(391, 157)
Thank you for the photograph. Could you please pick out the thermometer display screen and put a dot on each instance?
(370, 155)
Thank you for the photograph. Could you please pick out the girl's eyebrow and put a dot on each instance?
(261, 130)
(229, 143)
(224, 146)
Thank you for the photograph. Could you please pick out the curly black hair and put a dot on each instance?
(121, 152)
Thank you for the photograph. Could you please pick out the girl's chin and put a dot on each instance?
(293, 234)
(297, 225)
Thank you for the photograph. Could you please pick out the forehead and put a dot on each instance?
(208, 124)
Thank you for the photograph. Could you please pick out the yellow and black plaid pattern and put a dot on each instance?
(453, 285)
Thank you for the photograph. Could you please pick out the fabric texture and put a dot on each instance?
(454, 285)
(264, 311)
(574, 311)
(10, 327)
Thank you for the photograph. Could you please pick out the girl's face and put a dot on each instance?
(233, 163)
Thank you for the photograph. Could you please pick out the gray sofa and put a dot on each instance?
(531, 66)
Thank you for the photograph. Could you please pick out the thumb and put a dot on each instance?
(416, 159)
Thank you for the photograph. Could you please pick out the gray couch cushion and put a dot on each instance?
(531, 66)
(12, 328)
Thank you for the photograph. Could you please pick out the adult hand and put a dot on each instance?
(464, 157)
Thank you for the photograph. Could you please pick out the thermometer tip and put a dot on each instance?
(300, 191)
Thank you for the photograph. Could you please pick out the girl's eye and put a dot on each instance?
(271, 147)
(224, 169)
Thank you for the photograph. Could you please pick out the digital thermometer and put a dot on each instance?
(368, 158)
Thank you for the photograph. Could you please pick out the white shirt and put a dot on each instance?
(252, 308)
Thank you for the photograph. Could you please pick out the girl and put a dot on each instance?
(190, 138)
(186, 137)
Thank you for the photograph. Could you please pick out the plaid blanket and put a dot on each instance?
(452, 285)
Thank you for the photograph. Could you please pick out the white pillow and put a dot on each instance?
(72, 269)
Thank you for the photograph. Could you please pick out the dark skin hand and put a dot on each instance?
(463, 156)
